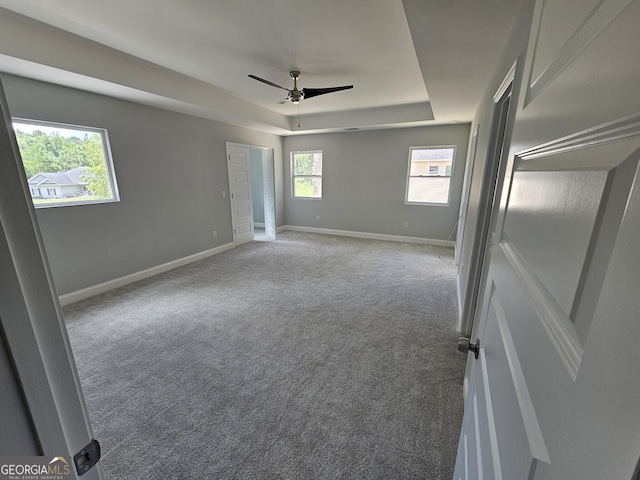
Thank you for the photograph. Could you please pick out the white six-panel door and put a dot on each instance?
(555, 391)
(240, 188)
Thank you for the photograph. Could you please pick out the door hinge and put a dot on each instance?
(87, 457)
(465, 346)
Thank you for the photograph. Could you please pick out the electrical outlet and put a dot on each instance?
(215, 234)
(406, 224)
(317, 218)
(224, 194)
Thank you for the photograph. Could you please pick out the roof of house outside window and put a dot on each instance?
(433, 154)
(70, 177)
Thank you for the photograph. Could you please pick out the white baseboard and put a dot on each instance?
(259, 225)
(84, 293)
(459, 295)
(371, 236)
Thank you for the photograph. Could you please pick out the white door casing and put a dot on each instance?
(32, 321)
(464, 200)
(491, 187)
(554, 392)
(462, 220)
(240, 190)
(269, 193)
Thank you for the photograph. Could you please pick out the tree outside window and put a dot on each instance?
(307, 174)
(65, 164)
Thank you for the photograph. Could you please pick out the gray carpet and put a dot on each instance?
(311, 357)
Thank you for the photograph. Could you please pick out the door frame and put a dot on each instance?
(462, 220)
(265, 158)
(268, 166)
(502, 122)
(31, 318)
(466, 191)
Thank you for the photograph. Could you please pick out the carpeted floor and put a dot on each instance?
(311, 357)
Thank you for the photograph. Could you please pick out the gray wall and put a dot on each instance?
(515, 47)
(171, 171)
(184, 157)
(364, 182)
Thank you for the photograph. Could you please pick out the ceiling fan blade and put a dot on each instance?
(284, 101)
(314, 92)
(267, 82)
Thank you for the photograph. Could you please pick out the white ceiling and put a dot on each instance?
(412, 62)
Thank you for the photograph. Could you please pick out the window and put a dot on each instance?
(66, 164)
(429, 175)
(307, 174)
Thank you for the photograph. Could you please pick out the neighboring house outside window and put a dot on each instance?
(429, 175)
(67, 184)
(66, 164)
(306, 168)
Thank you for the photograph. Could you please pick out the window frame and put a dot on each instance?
(450, 176)
(294, 176)
(108, 159)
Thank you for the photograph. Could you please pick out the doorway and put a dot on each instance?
(252, 188)
(262, 199)
(493, 177)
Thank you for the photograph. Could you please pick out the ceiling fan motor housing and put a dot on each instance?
(295, 95)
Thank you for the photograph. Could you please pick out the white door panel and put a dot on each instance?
(591, 79)
(478, 456)
(554, 394)
(240, 188)
(516, 423)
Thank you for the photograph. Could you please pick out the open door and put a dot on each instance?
(239, 168)
(242, 160)
(45, 387)
(553, 393)
(492, 182)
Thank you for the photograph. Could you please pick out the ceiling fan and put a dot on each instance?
(296, 95)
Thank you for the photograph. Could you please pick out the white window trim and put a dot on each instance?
(106, 148)
(408, 177)
(294, 176)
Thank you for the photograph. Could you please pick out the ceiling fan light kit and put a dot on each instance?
(295, 95)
